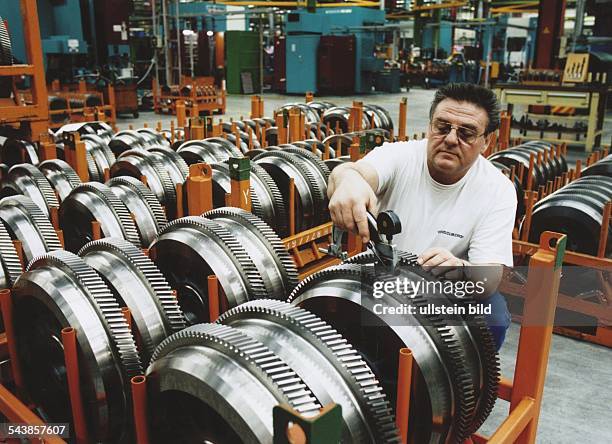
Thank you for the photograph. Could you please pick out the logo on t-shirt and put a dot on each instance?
(448, 233)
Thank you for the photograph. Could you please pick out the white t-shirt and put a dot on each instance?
(472, 218)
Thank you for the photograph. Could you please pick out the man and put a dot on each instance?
(456, 208)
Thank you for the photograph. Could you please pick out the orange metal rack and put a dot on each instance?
(33, 118)
(601, 310)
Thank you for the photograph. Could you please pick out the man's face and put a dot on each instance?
(448, 156)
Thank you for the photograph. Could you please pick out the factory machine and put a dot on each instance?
(332, 49)
(75, 35)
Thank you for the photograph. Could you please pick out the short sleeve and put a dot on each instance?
(491, 242)
(387, 160)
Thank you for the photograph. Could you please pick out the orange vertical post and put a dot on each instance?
(180, 210)
(504, 130)
(33, 47)
(294, 125)
(255, 108)
(404, 382)
(240, 175)
(96, 230)
(213, 297)
(196, 128)
(199, 189)
(74, 384)
(401, 132)
(47, 148)
(181, 113)
(356, 116)
(139, 406)
(80, 158)
(6, 305)
(603, 235)
(536, 329)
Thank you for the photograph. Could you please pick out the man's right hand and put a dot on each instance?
(351, 195)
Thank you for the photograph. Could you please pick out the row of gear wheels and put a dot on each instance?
(306, 352)
(146, 156)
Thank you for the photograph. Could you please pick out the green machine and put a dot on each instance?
(242, 62)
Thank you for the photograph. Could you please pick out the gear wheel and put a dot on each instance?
(256, 237)
(222, 358)
(279, 220)
(11, 265)
(106, 346)
(26, 179)
(148, 213)
(61, 176)
(462, 351)
(177, 167)
(138, 163)
(137, 283)
(94, 201)
(190, 249)
(25, 221)
(348, 379)
(310, 196)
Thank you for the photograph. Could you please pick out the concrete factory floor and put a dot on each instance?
(578, 390)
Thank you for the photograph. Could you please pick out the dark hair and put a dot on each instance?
(468, 92)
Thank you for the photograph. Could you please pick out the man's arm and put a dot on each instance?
(439, 260)
(351, 191)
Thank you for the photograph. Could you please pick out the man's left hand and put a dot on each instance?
(441, 263)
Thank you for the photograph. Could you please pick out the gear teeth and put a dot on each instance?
(42, 184)
(37, 218)
(253, 354)
(448, 346)
(290, 274)
(167, 185)
(98, 147)
(6, 51)
(165, 301)
(370, 394)
(206, 152)
(313, 158)
(105, 304)
(118, 208)
(227, 146)
(280, 212)
(316, 192)
(8, 256)
(145, 194)
(171, 156)
(59, 165)
(253, 282)
(350, 271)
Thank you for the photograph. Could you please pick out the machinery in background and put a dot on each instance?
(75, 35)
(559, 103)
(310, 48)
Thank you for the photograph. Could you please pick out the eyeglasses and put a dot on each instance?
(466, 135)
